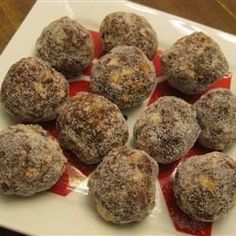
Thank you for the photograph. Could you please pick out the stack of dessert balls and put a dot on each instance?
(92, 126)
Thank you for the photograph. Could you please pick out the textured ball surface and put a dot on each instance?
(90, 126)
(193, 63)
(30, 160)
(216, 113)
(32, 91)
(124, 75)
(123, 28)
(167, 130)
(123, 185)
(66, 45)
(204, 186)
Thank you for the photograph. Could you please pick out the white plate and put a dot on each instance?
(50, 214)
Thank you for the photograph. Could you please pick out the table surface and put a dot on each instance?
(220, 14)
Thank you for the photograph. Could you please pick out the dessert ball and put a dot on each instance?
(193, 63)
(124, 75)
(123, 185)
(204, 186)
(167, 130)
(30, 160)
(66, 45)
(123, 28)
(90, 126)
(216, 114)
(32, 91)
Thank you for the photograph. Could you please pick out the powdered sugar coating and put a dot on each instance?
(90, 126)
(167, 130)
(30, 160)
(216, 114)
(32, 91)
(124, 75)
(123, 185)
(205, 185)
(124, 28)
(66, 45)
(193, 63)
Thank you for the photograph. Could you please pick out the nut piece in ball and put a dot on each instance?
(66, 45)
(204, 186)
(216, 114)
(124, 75)
(123, 28)
(167, 130)
(32, 91)
(30, 160)
(193, 63)
(90, 126)
(123, 185)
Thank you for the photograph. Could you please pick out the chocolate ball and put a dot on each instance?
(124, 28)
(216, 114)
(123, 185)
(167, 130)
(66, 45)
(124, 75)
(30, 160)
(204, 186)
(193, 63)
(32, 91)
(90, 126)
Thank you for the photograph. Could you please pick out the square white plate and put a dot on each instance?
(50, 214)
